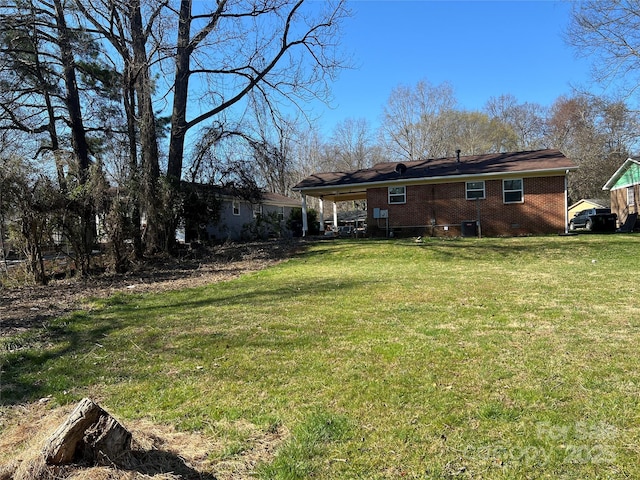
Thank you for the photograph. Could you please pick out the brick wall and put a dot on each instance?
(429, 209)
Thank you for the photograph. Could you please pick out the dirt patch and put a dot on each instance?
(31, 307)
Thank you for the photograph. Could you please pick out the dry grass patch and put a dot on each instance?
(159, 452)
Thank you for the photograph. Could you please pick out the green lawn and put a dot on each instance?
(467, 358)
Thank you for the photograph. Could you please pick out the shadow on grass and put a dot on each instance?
(159, 462)
(69, 354)
(487, 248)
(144, 462)
(24, 363)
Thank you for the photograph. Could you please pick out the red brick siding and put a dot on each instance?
(543, 210)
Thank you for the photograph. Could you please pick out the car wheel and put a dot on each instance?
(572, 227)
(589, 225)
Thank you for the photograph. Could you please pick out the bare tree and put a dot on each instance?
(237, 47)
(272, 147)
(474, 133)
(310, 155)
(608, 32)
(411, 127)
(353, 145)
(526, 120)
(597, 134)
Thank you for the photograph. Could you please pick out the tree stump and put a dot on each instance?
(89, 434)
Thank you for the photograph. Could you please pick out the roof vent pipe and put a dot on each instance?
(458, 155)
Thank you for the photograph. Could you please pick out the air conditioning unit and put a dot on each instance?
(469, 228)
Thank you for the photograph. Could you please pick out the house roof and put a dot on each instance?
(353, 185)
(269, 198)
(265, 198)
(596, 202)
(625, 176)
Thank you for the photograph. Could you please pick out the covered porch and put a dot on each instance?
(333, 195)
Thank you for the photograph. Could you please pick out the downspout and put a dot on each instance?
(566, 202)
(305, 222)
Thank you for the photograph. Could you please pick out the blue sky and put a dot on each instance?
(482, 48)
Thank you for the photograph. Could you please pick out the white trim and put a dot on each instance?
(631, 190)
(305, 220)
(521, 190)
(616, 176)
(484, 190)
(566, 204)
(257, 210)
(403, 194)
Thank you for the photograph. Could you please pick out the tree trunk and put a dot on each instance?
(78, 137)
(180, 96)
(150, 172)
(89, 434)
(133, 182)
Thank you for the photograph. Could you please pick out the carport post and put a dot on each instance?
(305, 222)
(335, 214)
(321, 221)
(566, 202)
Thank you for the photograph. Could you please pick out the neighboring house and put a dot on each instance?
(587, 203)
(624, 188)
(499, 194)
(236, 218)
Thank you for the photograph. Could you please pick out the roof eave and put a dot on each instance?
(618, 173)
(438, 179)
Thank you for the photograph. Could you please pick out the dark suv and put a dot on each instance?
(594, 219)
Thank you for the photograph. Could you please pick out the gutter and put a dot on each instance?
(429, 180)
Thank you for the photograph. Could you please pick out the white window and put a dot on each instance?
(281, 214)
(257, 211)
(397, 195)
(631, 196)
(512, 191)
(475, 190)
(236, 207)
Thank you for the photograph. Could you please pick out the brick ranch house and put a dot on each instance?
(501, 194)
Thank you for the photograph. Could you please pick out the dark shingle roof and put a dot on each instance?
(278, 199)
(495, 163)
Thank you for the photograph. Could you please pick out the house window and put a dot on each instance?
(257, 211)
(512, 191)
(631, 196)
(475, 190)
(281, 214)
(236, 207)
(397, 195)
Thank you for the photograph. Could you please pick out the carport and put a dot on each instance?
(333, 194)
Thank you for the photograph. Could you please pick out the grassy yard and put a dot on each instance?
(471, 358)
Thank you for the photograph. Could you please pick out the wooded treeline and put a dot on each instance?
(100, 101)
(107, 105)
